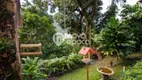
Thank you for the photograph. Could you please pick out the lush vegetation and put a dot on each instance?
(132, 16)
(111, 36)
(134, 73)
(115, 39)
(121, 37)
(35, 68)
(121, 73)
(108, 35)
(32, 69)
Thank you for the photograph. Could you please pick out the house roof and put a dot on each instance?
(85, 50)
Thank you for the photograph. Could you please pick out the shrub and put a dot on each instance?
(32, 69)
(132, 15)
(133, 74)
(37, 69)
(54, 51)
(115, 39)
(58, 66)
(50, 52)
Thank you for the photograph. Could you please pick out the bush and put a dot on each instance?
(132, 16)
(37, 69)
(54, 51)
(133, 74)
(32, 69)
(50, 52)
(115, 39)
(58, 66)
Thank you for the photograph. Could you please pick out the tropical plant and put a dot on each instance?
(115, 39)
(132, 15)
(57, 51)
(32, 69)
(76, 59)
(58, 66)
(134, 73)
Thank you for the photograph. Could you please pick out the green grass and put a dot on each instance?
(80, 74)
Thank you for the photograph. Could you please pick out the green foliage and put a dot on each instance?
(32, 69)
(37, 29)
(57, 51)
(3, 45)
(130, 11)
(58, 66)
(37, 69)
(78, 14)
(133, 74)
(112, 11)
(115, 39)
(132, 15)
(35, 6)
(65, 49)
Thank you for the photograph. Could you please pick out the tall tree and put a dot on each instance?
(115, 39)
(132, 15)
(36, 6)
(112, 11)
(80, 14)
(7, 41)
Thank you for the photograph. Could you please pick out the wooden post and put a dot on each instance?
(89, 56)
(87, 61)
(83, 57)
(87, 72)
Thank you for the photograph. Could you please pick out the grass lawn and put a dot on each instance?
(80, 74)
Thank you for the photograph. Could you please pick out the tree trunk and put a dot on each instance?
(88, 32)
(8, 60)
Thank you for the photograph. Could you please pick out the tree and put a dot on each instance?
(7, 42)
(36, 6)
(112, 11)
(36, 29)
(132, 15)
(80, 14)
(115, 39)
